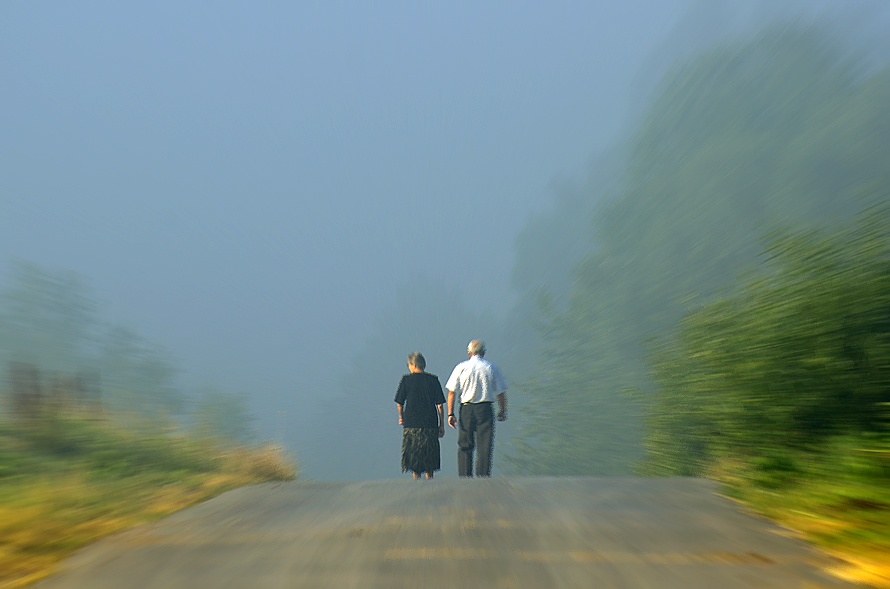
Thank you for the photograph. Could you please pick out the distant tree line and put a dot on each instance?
(733, 298)
(61, 356)
(715, 290)
(32, 394)
(795, 356)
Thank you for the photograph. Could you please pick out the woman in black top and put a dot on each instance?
(421, 412)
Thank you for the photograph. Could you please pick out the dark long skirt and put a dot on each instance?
(420, 450)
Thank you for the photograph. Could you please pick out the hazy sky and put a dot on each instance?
(247, 184)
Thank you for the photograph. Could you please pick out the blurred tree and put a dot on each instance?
(137, 376)
(799, 354)
(782, 129)
(25, 391)
(49, 318)
(224, 416)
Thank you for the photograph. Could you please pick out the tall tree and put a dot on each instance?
(49, 318)
(796, 355)
(783, 128)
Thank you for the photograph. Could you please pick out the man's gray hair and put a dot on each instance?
(417, 359)
(476, 347)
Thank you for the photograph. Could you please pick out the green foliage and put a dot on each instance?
(837, 495)
(65, 443)
(66, 481)
(797, 356)
(782, 130)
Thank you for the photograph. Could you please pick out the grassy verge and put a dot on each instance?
(66, 482)
(838, 499)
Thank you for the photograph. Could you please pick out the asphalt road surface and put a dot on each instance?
(523, 532)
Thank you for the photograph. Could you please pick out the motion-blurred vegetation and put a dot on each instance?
(68, 479)
(95, 437)
(780, 389)
(733, 314)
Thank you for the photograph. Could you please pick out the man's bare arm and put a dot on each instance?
(502, 405)
(452, 420)
(400, 414)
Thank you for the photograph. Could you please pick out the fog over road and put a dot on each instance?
(523, 532)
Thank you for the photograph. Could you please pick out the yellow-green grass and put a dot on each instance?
(837, 499)
(68, 482)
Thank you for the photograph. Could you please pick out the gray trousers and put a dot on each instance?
(475, 430)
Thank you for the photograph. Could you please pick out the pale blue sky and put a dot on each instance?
(242, 181)
(248, 183)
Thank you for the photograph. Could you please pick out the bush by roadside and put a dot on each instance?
(66, 481)
(836, 497)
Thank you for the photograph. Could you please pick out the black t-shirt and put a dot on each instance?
(419, 393)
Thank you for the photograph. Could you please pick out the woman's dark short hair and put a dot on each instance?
(417, 359)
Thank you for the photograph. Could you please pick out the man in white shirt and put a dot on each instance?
(477, 383)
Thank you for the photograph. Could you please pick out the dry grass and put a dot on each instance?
(51, 507)
(830, 504)
(865, 563)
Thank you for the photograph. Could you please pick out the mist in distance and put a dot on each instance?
(260, 211)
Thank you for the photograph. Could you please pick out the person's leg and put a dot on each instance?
(436, 457)
(466, 441)
(429, 476)
(484, 438)
(416, 476)
(406, 452)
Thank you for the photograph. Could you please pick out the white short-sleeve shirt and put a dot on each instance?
(476, 381)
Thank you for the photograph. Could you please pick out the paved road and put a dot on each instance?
(502, 533)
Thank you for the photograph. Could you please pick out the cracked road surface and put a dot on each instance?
(502, 533)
